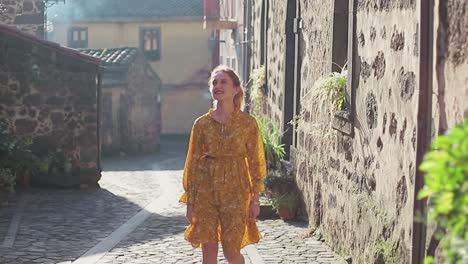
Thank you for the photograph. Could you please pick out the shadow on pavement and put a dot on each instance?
(56, 225)
(61, 225)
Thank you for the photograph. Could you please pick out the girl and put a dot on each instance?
(224, 173)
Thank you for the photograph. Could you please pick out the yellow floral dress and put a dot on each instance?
(225, 165)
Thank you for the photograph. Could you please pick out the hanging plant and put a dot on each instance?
(328, 94)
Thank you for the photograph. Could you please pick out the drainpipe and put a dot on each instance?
(100, 69)
(247, 16)
(424, 122)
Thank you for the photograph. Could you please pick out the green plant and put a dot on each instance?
(258, 88)
(58, 162)
(331, 90)
(15, 157)
(289, 200)
(7, 179)
(279, 184)
(271, 136)
(446, 186)
(328, 94)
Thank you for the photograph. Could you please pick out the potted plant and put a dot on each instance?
(278, 184)
(285, 204)
(16, 158)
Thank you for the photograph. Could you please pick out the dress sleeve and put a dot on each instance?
(195, 151)
(256, 159)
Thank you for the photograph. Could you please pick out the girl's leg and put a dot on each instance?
(234, 257)
(210, 253)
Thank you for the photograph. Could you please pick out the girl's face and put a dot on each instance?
(223, 88)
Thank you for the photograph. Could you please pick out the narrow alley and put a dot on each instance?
(133, 218)
(342, 124)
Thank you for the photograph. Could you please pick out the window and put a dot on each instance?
(343, 120)
(340, 35)
(78, 37)
(233, 9)
(150, 43)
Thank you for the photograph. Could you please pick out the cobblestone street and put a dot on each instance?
(133, 218)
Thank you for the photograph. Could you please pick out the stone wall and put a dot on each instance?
(450, 78)
(26, 15)
(450, 105)
(50, 96)
(131, 108)
(358, 190)
(144, 107)
(111, 99)
(274, 62)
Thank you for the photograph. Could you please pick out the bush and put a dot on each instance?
(7, 179)
(271, 136)
(446, 186)
(16, 158)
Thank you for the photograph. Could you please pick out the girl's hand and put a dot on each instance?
(189, 213)
(254, 209)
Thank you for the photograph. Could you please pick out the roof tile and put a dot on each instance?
(114, 56)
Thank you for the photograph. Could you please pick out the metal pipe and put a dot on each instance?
(424, 123)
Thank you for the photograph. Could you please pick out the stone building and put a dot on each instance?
(26, 15)
(405, 60)
(131, 101)
(50, 94)
(227, 19)
(171, 35)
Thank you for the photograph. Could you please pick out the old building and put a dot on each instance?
(26, 15)
(171, 35)
(228, 21)
(49, 94)
(359, 186)
(131, 104)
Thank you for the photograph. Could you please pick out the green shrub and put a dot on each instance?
(15, 157)
(330, 91)
(271, 136)
(7, 180)
(288, 200)
(58, 162)
(446, 186)
(258, 90)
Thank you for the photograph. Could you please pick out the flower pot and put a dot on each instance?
(23, 180)
(286, 213)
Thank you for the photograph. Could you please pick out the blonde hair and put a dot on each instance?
(239, 97)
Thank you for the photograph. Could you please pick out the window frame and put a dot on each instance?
(78, 44)
(151, 54)
(343, 121)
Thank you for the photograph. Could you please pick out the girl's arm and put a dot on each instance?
(256, 160)
(191, 164)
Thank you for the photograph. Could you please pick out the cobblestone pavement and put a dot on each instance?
(60, 226)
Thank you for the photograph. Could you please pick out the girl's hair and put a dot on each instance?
(239, 97)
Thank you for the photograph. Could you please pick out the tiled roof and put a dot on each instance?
(83, 10)
(114, 56)
(16, 33)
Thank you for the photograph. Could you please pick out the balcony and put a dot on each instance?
(219, 14)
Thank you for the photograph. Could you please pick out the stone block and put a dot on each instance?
(36, 99)
(25, 126)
